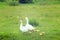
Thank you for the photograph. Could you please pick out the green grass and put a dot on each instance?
(43, 2)
(48, 17)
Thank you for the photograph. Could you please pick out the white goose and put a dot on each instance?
(30, 27)
(23, 28)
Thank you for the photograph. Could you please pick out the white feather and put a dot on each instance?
(30, 27)
(23, 28)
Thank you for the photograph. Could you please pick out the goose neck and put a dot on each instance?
(27, 21)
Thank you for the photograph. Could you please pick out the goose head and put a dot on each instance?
(26, 18)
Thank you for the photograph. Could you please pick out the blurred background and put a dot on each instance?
(44, 15)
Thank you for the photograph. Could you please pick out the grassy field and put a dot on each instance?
(48, 17)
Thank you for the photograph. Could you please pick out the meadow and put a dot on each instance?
(47, 16)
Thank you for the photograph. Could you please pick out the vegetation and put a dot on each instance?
(33, 23)
(2, 0)
(48, 17)
(45, 17)
(44, 2)
(40, 2)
